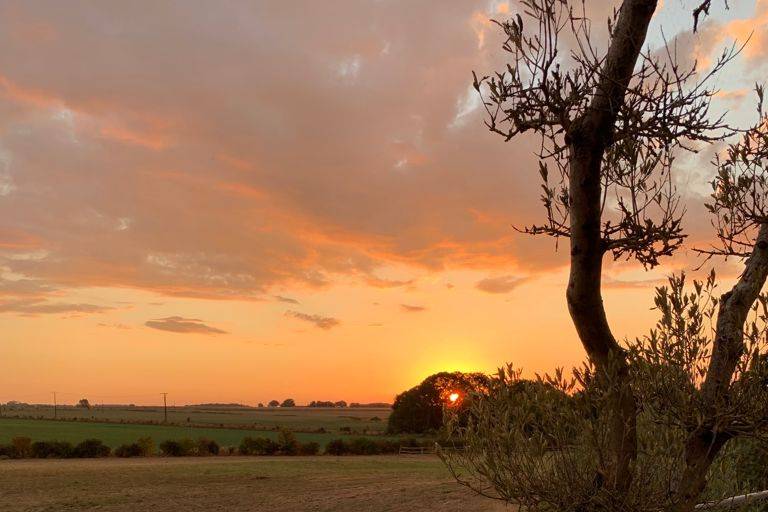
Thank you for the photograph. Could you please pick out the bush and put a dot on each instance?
(147, 445)
(742, 468)
(128, 450)
(366, 446)
(7, 451)
(287, 443)
(337, 447)
(144, 447)
(310, 448)
(207, 447)
(91, 448)
(258, 446)
(51, 449)
(22, 447)
(363, 446)
(388, 447)
(181, 448)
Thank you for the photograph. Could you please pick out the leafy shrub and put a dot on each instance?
(337, 447)
(740, 469)
(147, 445)
(22, 447)
(363, 446)
(181, 448)
(258, 446)
(207, 447)
(144, 447)
(287, 443)
(366, 446)
(128, 450)
(51, 449)
(7, 451)
(91, 448)
(310, 448)
(388, 447)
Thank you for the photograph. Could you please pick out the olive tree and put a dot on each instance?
(611, 124)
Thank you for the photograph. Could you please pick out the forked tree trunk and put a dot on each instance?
(707, 440)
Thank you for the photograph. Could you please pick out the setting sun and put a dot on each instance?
(242, 242)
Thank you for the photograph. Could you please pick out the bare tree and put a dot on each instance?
(611, 124)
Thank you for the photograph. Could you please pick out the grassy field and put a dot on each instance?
(370, 421)
(115, 434)
(268, 484)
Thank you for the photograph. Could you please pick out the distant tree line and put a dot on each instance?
(290, 402)
(328, 403)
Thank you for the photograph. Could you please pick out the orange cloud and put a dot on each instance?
(322, 322)
(183, 325)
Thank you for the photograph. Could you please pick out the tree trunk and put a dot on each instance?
(588, 139)
(707, 440)
(700, 451)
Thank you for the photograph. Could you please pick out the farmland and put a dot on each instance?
(298, 419)
(276, 484)
(116, 425)
(115, 434)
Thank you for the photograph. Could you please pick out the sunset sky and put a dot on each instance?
(241, 201)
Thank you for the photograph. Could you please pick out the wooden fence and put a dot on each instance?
(734, 501)
(417, 450)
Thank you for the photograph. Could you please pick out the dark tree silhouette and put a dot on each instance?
(420, 409)
(611, 124)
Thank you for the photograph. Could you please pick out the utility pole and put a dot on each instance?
(165, 407)
(55, 412)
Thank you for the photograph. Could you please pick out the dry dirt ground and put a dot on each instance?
(273, 484)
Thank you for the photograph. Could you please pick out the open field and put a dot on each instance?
(271, 484)
(115, 434)
(372, 421)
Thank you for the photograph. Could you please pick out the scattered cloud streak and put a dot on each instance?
(501, 284)
(647, 284)
(377, 282)
(183, 325)
(322, 322)
(287, 300)
(34, 306)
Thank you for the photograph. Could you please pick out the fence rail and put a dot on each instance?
(734, 501)
(417, 450)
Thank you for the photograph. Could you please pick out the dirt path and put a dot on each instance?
(269, 484)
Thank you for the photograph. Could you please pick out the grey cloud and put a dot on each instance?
(287, 300)
(183, 325)
(378, 282)
(322, 322)
(36, 306)
(501, 284)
